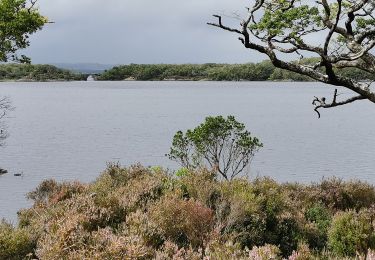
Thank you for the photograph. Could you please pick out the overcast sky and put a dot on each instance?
(137, 31)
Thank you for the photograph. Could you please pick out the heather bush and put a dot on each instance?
(116, 176)
(138, 223)
(225, 250)
(100, 244)
(49, 191)
(171, 251)
(302, 253)
(183, 221)
(266, 252)
(340, 195)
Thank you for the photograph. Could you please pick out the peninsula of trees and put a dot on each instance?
(28, 72)
(217, 72)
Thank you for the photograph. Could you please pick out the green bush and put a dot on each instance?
(15, 243)
(352, 233)
(320, 218)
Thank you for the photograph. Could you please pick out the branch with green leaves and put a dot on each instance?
(18, 20)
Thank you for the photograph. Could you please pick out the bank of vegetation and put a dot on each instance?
(28, 72)
(216, 72)
(148, 213)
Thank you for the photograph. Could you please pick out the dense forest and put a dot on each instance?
(216, 72)
(28, 72)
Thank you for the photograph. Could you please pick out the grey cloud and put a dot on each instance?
(137, 31)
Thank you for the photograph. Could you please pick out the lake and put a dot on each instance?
(69, 130)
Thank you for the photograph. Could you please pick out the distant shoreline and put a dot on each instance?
(250, 72)
(169, 80)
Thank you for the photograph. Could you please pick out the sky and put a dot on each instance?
(138, 31)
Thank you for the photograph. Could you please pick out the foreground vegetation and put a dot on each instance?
(145, 213)
(216, 72)
(28, 72)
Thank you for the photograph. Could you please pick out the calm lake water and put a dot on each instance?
(68, 131)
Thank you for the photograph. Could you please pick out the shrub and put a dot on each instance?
(320, 218)
(15, 243)
(201, 186)
(303, 253)
(49, 191)
(265, 252)
(183, 221)
(116, 176)
(240, 214)
(340, 195)
(171, 251)
(139, 224)
(100, 244)
(352, 233)
(258, 213)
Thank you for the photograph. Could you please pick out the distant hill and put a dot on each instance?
(87, 68)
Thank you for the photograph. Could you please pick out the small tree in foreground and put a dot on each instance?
(222, 144)
(340, 33)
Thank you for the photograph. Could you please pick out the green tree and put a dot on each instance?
(344, 33)
(222, 144)
(18, 20)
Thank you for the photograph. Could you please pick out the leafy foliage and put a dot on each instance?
(219, 143)
(19, 19)
(15, 243)
(352, 233)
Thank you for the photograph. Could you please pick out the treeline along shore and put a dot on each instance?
(262, 71)
(28, 72)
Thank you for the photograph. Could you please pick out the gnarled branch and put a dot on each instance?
(270, 38)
